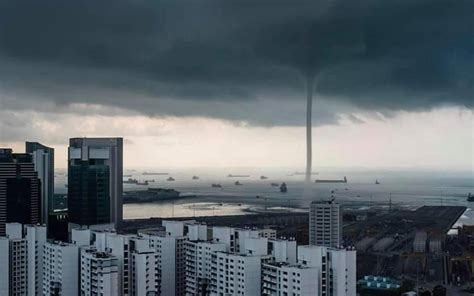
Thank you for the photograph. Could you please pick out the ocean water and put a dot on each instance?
(405, 188)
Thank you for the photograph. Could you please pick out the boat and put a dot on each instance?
(195, 178)
(130, 181)
(144, 183)
(331, 181)
(216, 186)
(154, 174)
(152, 180)
(170, 179)
(470, 197)
(275, 184)
(237, 176)
(127, 176)
(377, 182)
(237, 183)
(283, 187)
(263, 178)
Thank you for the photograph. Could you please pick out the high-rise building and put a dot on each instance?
(13, 251)
(235, 273)
(145, 273)
(43, 159)
(336, 268)
(325, 224)
(4, 266)
(60, 268)
(99, 273)
(95, 175)
(119, 246)
(172, 261)
(198, 265)
(35, 238)
(319, 271)
(19, 189)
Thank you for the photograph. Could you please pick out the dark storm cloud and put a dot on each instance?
(238, 60)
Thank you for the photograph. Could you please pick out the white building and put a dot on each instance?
(36, 238)
(282, 250)
(81, 237)
(198, 265)
(14, 249)
(233, 237)
(235, 274)
(267, 233)
(4, 266)
(60, 269)
(325, 224)
(336, 269)
(319, 271)
(99, 273)
(172, 254)
(287, 279)
(119, 246)
(145, 274)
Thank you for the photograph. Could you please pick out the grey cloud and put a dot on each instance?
(238, 60)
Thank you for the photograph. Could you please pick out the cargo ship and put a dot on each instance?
(216, 186)
(470, 197)
(154, 174)
(331, 181)
(237, 176)
(130, 181)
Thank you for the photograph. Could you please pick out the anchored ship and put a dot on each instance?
(154, 174)
(331, 181)
(470, 197)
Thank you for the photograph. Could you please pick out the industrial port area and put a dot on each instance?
(418, 248)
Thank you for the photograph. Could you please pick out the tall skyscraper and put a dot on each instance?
(43, 158)
(19, 189)
(325, 224)
(95, 175)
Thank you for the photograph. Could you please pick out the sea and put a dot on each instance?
(397, 188)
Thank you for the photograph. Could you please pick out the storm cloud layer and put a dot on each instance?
(239, 60)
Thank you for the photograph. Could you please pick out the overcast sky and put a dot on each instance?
(221, 83)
